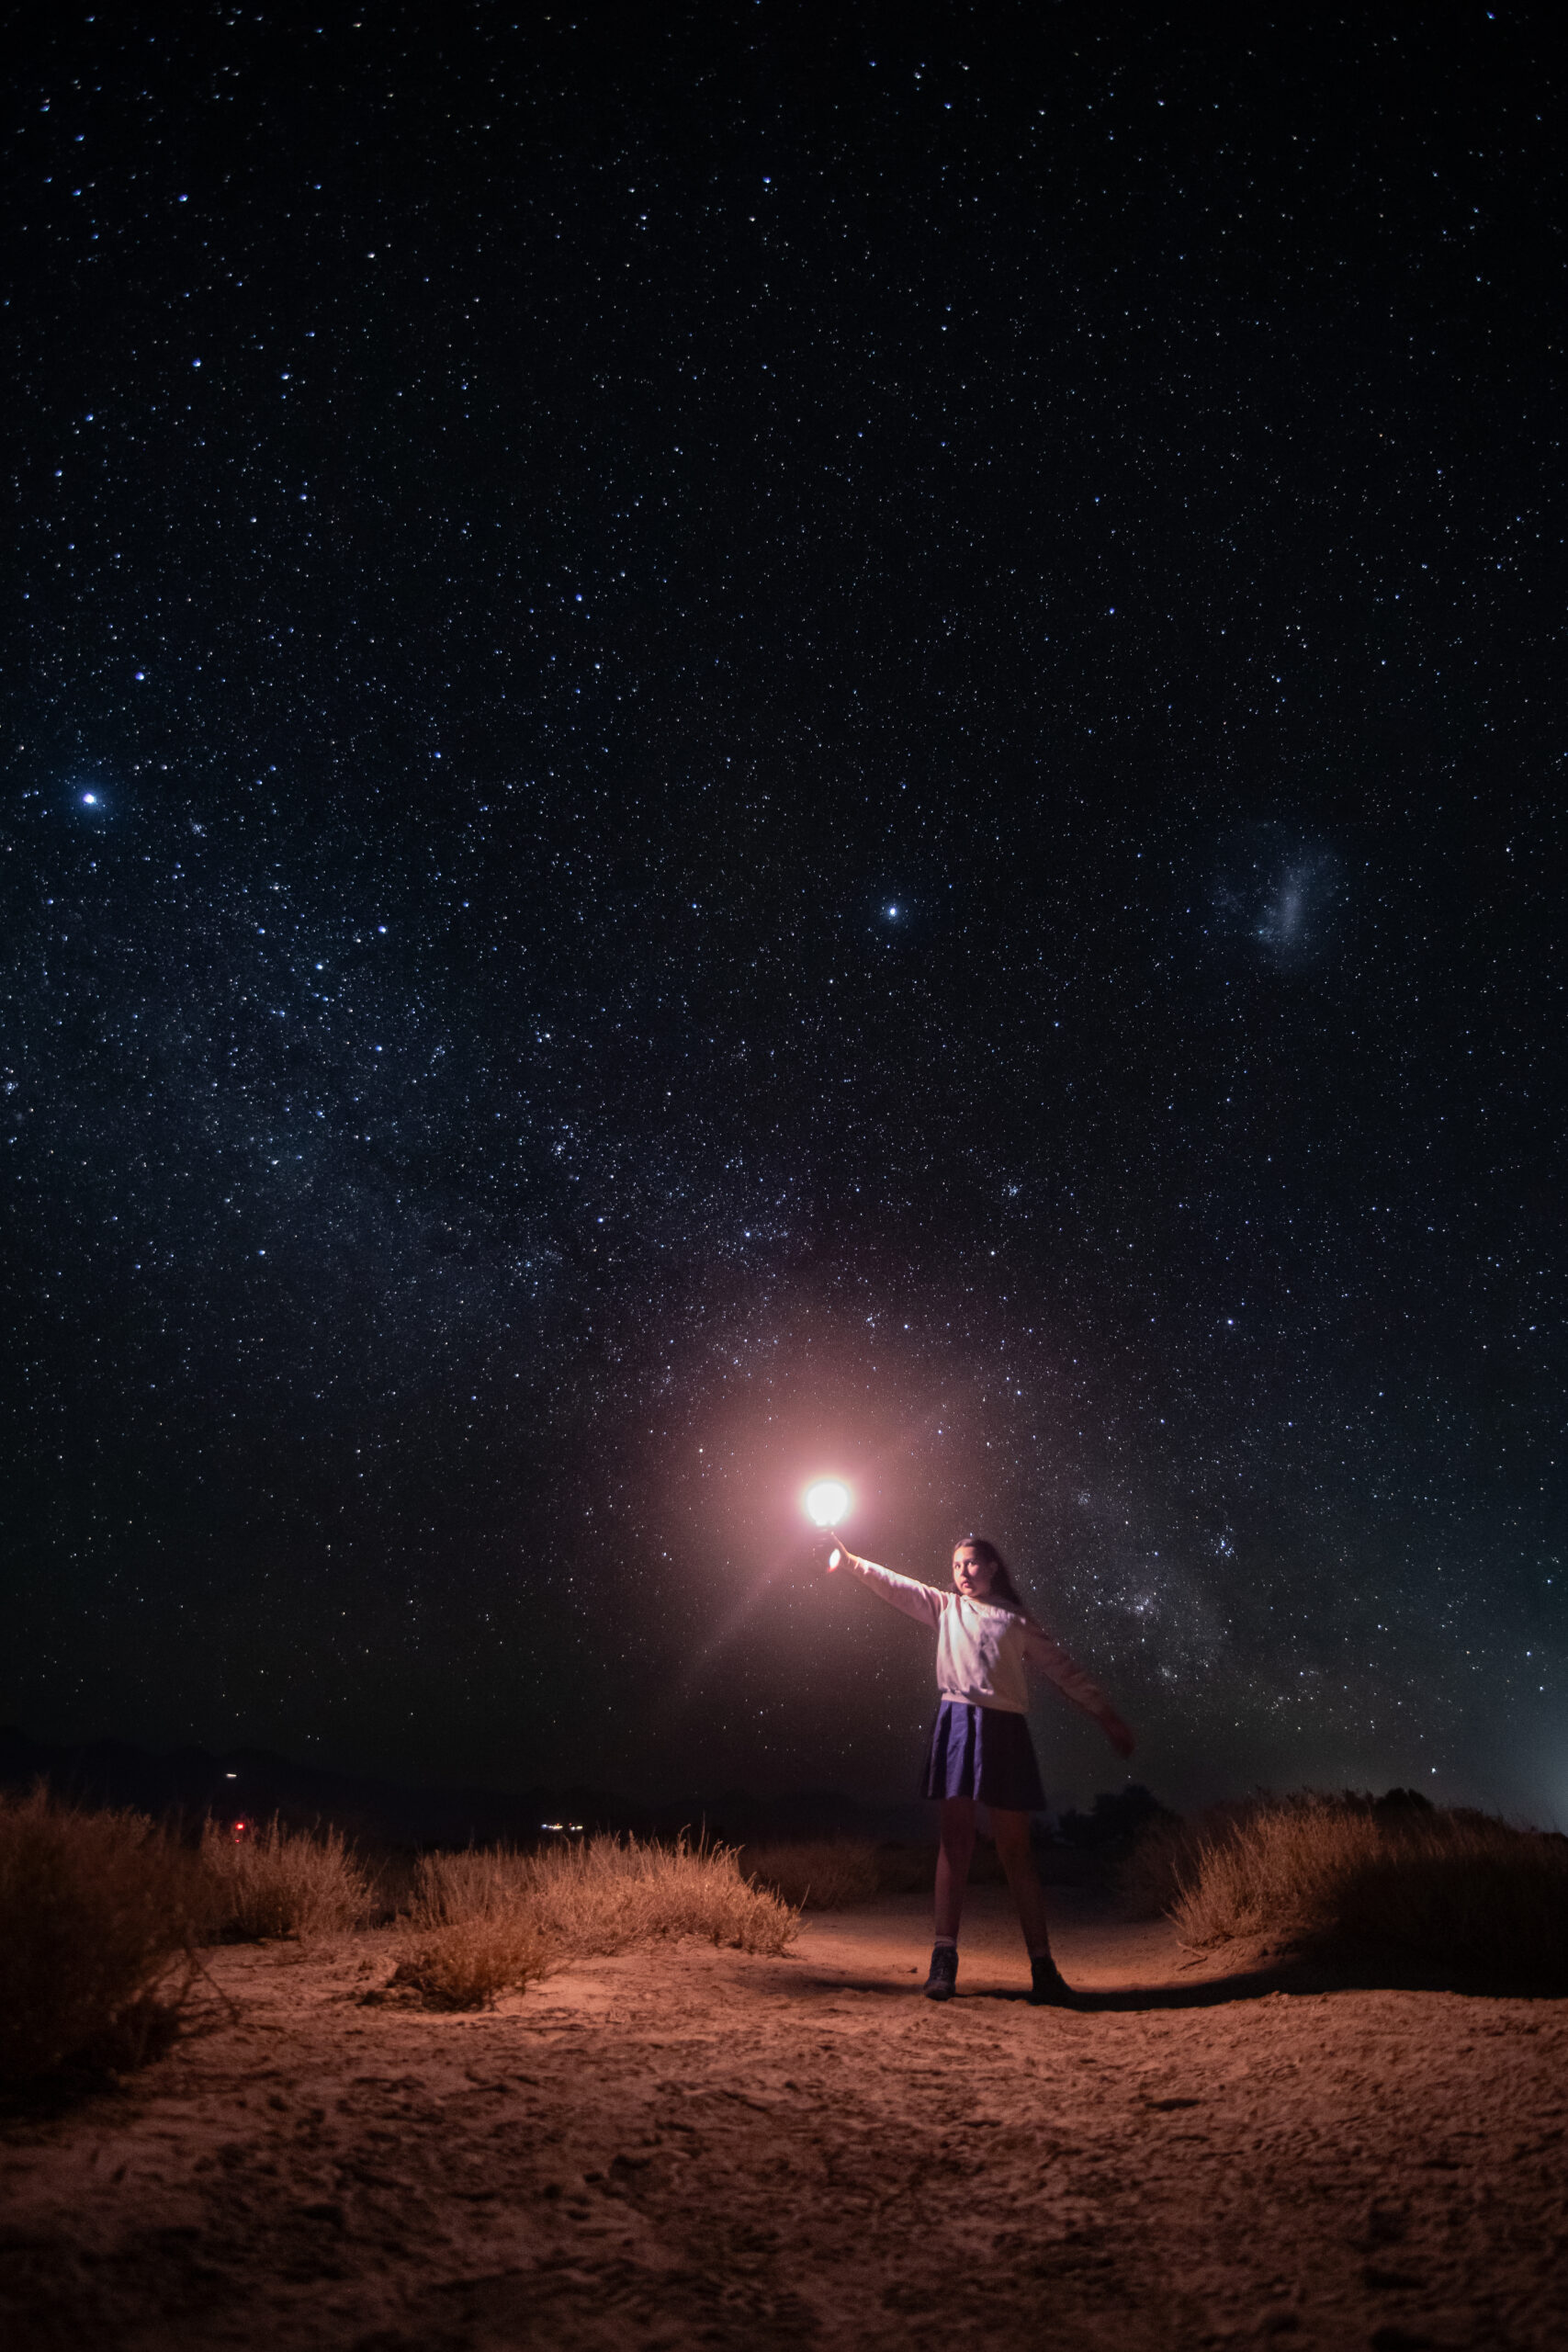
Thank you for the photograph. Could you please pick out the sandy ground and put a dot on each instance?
(694, 2147)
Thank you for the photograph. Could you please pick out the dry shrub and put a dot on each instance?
(466, 1963)
(1167, 1858)
(1456, 1894)
(904, 1869)
(100, 1915)
(484, 1922)
(277, 1882)
(816, 1873)
(469, 1931)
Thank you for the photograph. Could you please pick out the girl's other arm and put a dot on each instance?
(1075, 1684)
(914, 1598)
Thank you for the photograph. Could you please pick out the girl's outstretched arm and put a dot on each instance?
(1072, 1681)
(914, 1598)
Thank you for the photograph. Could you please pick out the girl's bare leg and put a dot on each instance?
(1010, 1831)
(957, 1851)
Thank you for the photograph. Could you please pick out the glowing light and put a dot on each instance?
(89, 801)
(827, 1501)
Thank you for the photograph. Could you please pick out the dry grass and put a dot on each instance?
(1459, 1894)
(487, 1922)
(100, 1915)
(1168, 1857)
(464, 1964)
(816, 1873)
(904, 1869)
(277, 1882)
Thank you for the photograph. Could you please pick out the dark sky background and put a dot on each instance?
(741, 742)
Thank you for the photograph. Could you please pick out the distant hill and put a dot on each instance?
(254, 1783)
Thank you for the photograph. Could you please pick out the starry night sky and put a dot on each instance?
(742, 743)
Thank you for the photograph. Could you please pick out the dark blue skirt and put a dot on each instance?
(982, 1752)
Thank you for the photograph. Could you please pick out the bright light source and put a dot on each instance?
(827, 1502)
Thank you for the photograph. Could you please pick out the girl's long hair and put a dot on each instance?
(1004, 1593)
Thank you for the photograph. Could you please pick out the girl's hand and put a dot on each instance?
(1117, 1732)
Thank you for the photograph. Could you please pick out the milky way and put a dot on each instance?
(738, 749)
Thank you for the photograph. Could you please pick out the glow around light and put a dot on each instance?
(827, 1502)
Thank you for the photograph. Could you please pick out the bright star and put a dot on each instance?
(89, 799)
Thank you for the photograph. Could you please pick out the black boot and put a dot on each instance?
(1049, 1989)
(944, 1979)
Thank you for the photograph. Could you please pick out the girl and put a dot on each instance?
(980, 1749)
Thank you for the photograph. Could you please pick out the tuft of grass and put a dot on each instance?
(100, 1917)
(465, 1963)
(816, 1873)
(490, 1921)
(277, 1882)
(1458, 1895)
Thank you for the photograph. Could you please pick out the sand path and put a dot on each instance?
(690, 2147)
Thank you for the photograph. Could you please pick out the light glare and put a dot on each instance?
(827, 1501)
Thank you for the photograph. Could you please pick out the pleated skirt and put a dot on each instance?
(982, 1752)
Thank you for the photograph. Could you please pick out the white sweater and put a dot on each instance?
(981, 1650)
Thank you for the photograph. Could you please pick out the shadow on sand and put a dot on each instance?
(1250, 1985)
(1296, 1977)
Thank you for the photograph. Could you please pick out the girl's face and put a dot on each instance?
(971, 1575)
